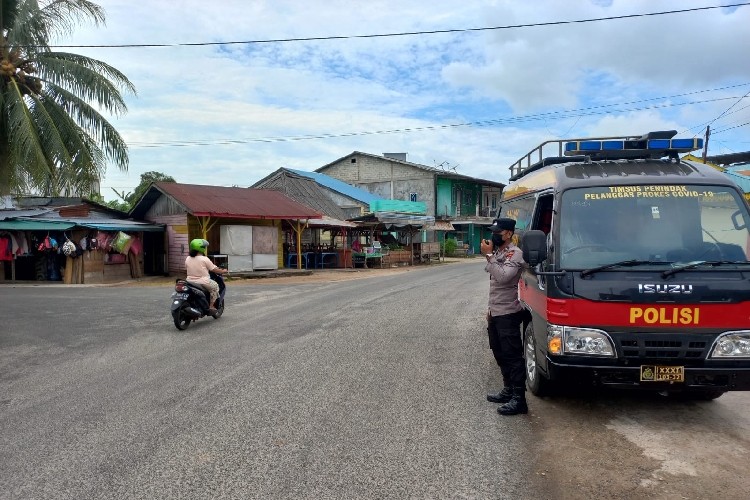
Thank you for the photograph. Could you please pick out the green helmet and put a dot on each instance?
(199, 246)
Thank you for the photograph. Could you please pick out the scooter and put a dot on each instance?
(190, 301)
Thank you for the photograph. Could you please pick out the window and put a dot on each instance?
(519, 210)
(354, 160)
(680, 223)
(412, 196)
(494, 201)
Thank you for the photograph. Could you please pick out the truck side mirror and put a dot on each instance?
(534, 247)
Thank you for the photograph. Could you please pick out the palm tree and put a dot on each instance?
(53, 139)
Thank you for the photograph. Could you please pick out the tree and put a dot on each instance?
(147, 179)
(126, 201)
(53, 139)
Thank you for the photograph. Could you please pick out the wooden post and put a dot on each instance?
(705, 144)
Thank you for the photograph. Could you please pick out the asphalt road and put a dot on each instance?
(367, 388)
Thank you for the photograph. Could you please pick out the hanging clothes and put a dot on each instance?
(6, 248)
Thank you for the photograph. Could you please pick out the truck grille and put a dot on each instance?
(662, 348)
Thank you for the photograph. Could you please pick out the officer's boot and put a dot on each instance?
(517, 403)
(503, 396)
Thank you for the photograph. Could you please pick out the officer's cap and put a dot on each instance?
(503, 223)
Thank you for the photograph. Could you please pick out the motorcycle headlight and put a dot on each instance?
(578, 341)
(732, 345)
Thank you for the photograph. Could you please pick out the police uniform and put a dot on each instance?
(504, 318)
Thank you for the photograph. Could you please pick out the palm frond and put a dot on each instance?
(92, 123)
(25, 147)
(26, 27)
(87, 78)
(52, 134)
(32, 26)
(56, 131)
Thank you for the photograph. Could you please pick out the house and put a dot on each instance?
(737, 167)
(468, 203)
(351, 200)
(336, 200)
(243, 226)
(107, 245)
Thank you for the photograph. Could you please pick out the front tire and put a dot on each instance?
(537, 383)
(181, 320)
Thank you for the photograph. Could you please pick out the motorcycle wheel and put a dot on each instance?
(219, 310)
(181, 320)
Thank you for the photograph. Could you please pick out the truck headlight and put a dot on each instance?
(732, 345)
(580, 341)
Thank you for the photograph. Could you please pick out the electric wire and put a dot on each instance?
(577, 113)
(406, 33)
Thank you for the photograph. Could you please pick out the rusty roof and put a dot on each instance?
(235, 202)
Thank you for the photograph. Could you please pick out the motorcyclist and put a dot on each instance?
(198, 266)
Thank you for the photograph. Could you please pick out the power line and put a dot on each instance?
(407, 33)
(729, 108)
(730, 128)
(482, 123)
(704, 124)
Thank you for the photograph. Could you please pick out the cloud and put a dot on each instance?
(254, 107)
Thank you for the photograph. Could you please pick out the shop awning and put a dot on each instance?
(126, 226)
(440, 225)
(65, 224)
(35, 225)
(330, 222)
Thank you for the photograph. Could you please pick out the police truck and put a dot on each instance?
(638, 266)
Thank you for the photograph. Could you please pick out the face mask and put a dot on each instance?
(497, 239)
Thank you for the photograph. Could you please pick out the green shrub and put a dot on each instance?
(450, 246)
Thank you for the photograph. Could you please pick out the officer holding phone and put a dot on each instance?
(505, 315)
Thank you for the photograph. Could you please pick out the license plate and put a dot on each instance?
(177, 295)
(657, 373)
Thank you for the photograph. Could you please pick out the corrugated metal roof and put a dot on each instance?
(440, 225)
(14, 214)
(35, 225)
(331, 222)
(741, 180)
(62, 223)
(728, 159)
(392, 219)
(352, 192)
(302, 189)
(238, 203)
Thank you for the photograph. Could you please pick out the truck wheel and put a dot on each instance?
(537, 383)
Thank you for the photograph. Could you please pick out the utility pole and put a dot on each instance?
(705, 143)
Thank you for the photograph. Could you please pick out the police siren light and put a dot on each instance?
(651, 145)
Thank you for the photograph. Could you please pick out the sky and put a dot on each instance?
(468, 99)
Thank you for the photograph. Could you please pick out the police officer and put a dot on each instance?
(505, 315)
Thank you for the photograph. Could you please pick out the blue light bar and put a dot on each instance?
(658, 144)
(643, 147)
(584, 146)
(687, 143)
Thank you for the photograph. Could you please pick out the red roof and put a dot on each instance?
(234, 202)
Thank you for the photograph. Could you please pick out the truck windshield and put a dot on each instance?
(672, 224)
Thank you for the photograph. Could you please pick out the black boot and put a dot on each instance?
(517, 403)
(503, 396)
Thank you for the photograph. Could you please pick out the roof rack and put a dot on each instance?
(653, 145)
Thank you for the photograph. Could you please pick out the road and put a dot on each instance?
(310, 388)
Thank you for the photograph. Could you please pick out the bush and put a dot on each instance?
(450, 246)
